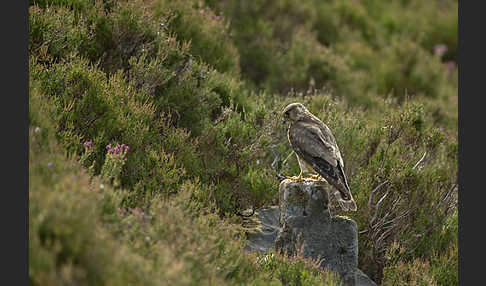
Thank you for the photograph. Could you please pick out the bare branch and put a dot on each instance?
(385, 234)
(285, 161)
(447, 195)
(377, 206)
(275, 162)
(375, 190)
(420, 161)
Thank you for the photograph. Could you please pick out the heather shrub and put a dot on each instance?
(104, 111)
(402, 172)
(435, 24)
(398, 166)
(158, 65)
(128, 31)
(75, 5)
(87, 97)
(437, 269)
(232, 161)
(358, 49)
(288, 269)
(56, 33)
(79, 232)
(262, 41)
(114, 161)
(193, 94)
(414, 71)
(206, 33)
(110, 38)
(306, 63)
(66, 244)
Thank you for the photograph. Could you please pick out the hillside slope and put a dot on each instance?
(195, 89)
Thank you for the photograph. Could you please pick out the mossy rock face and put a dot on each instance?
(302, 198)
(263, 238)
(307, 227)
(302, 225)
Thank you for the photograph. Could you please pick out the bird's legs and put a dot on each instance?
(302, 167)
(298, 178)
(315, 177)
(318, 177)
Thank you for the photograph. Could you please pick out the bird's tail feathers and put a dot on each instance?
(346, 205)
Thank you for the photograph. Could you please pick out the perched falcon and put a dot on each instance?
(317, 151)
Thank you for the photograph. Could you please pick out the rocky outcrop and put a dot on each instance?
(264, 238)
(302, 222)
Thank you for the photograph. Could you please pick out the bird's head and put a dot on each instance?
(294, 112)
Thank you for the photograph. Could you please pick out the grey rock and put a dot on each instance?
(264, 239)
(363, 279)
(305, 219)
(303, 224)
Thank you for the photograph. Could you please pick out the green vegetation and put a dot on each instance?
(81, 232)
(194, 89)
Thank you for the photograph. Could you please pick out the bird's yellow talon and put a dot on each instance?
(315, 177)
(299, 178)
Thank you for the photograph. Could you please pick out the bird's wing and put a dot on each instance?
(320, 151)
(314, 143)
(309, 139)
(327, 136)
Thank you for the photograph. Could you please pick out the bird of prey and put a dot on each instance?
(316, 150)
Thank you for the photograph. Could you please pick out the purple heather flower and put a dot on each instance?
(417, 235)
(108, 147)
(49, 164)
(440, 49)
(88, 144)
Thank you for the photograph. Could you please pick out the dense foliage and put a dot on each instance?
(173, 107)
